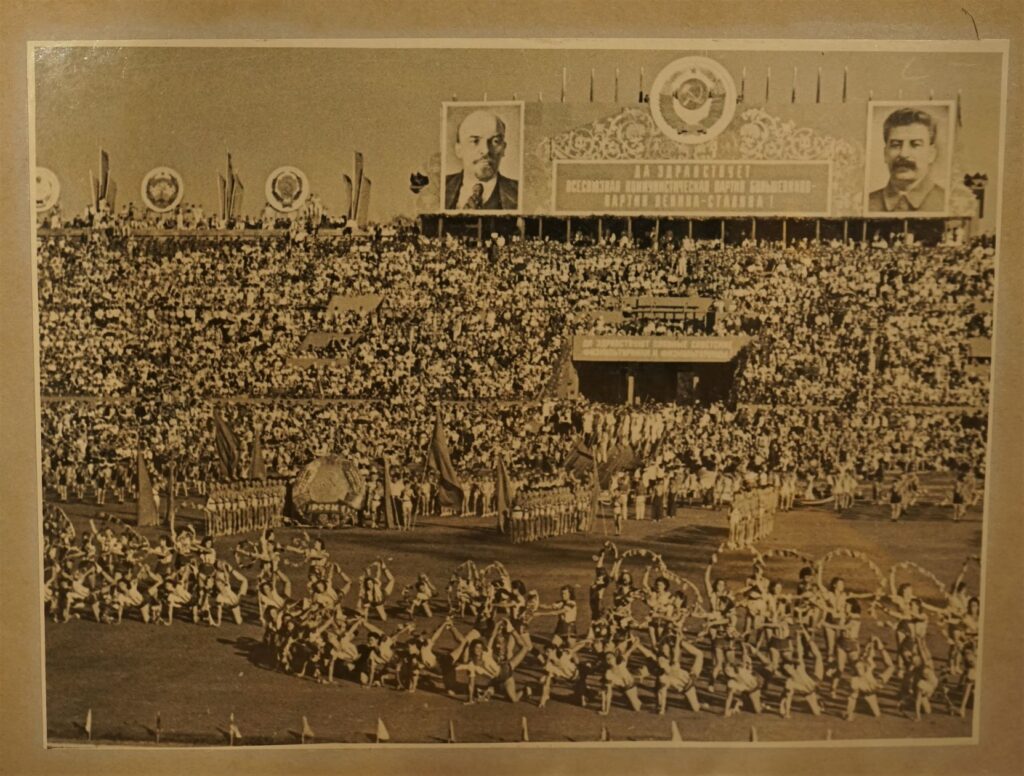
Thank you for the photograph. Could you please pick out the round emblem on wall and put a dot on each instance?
(162, 189)
(693, 99)
(47, 190)
(287, 189)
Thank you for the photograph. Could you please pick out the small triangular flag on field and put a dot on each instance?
(526, 730)
(753, 733)
(451, 731)
(605, 735)
(676, 736)
(382, 732)
(307, 731)
(233, 731)
(88, 724)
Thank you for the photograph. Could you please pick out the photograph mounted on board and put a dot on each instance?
(481, 156)
(909, 151)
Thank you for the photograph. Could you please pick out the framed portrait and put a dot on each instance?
(909, 151)
(481, 157)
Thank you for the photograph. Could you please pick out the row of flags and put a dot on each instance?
(227, 449)
(451, 491)
(231, 191)
(383, 735)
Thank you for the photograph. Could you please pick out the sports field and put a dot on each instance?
(194, 676)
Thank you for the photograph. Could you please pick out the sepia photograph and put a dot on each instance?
(652, 405)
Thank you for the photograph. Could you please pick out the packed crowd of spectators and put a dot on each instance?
(858, 353)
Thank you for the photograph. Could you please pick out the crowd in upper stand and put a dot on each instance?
(206, 319)
(843, 338)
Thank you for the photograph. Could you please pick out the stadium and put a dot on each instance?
(671, 427)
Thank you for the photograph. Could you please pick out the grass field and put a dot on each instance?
(196, 676)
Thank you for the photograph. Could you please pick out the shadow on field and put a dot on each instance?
(254, 650)
(692, 543)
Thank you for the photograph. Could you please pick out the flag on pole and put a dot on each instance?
(580, 460)
(817, 89)
(505, 493)
(257, 467)
(620, 457)
(94, 190)
(389, 502)
(846, 75)
(307, 731)
(170, 495)
(591, 84)
(526, 730)
(231, 185)
(676, 736)
(565, 77)
(233, 731)
(357, 183)
(451, 491)
(226, 444)
(222, 187)
(382, 732)
(364, 203)
(237, 191)
(88, 724)
(104, 174)
(145, 508)
(348, 195)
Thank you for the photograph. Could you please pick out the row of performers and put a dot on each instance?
(543, 512)
(248, 505)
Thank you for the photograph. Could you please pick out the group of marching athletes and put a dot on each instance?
(246, 506)
(752, 515)
(543, 513)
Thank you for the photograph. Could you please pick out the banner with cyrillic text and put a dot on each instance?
(657, 349)
(755, 188)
